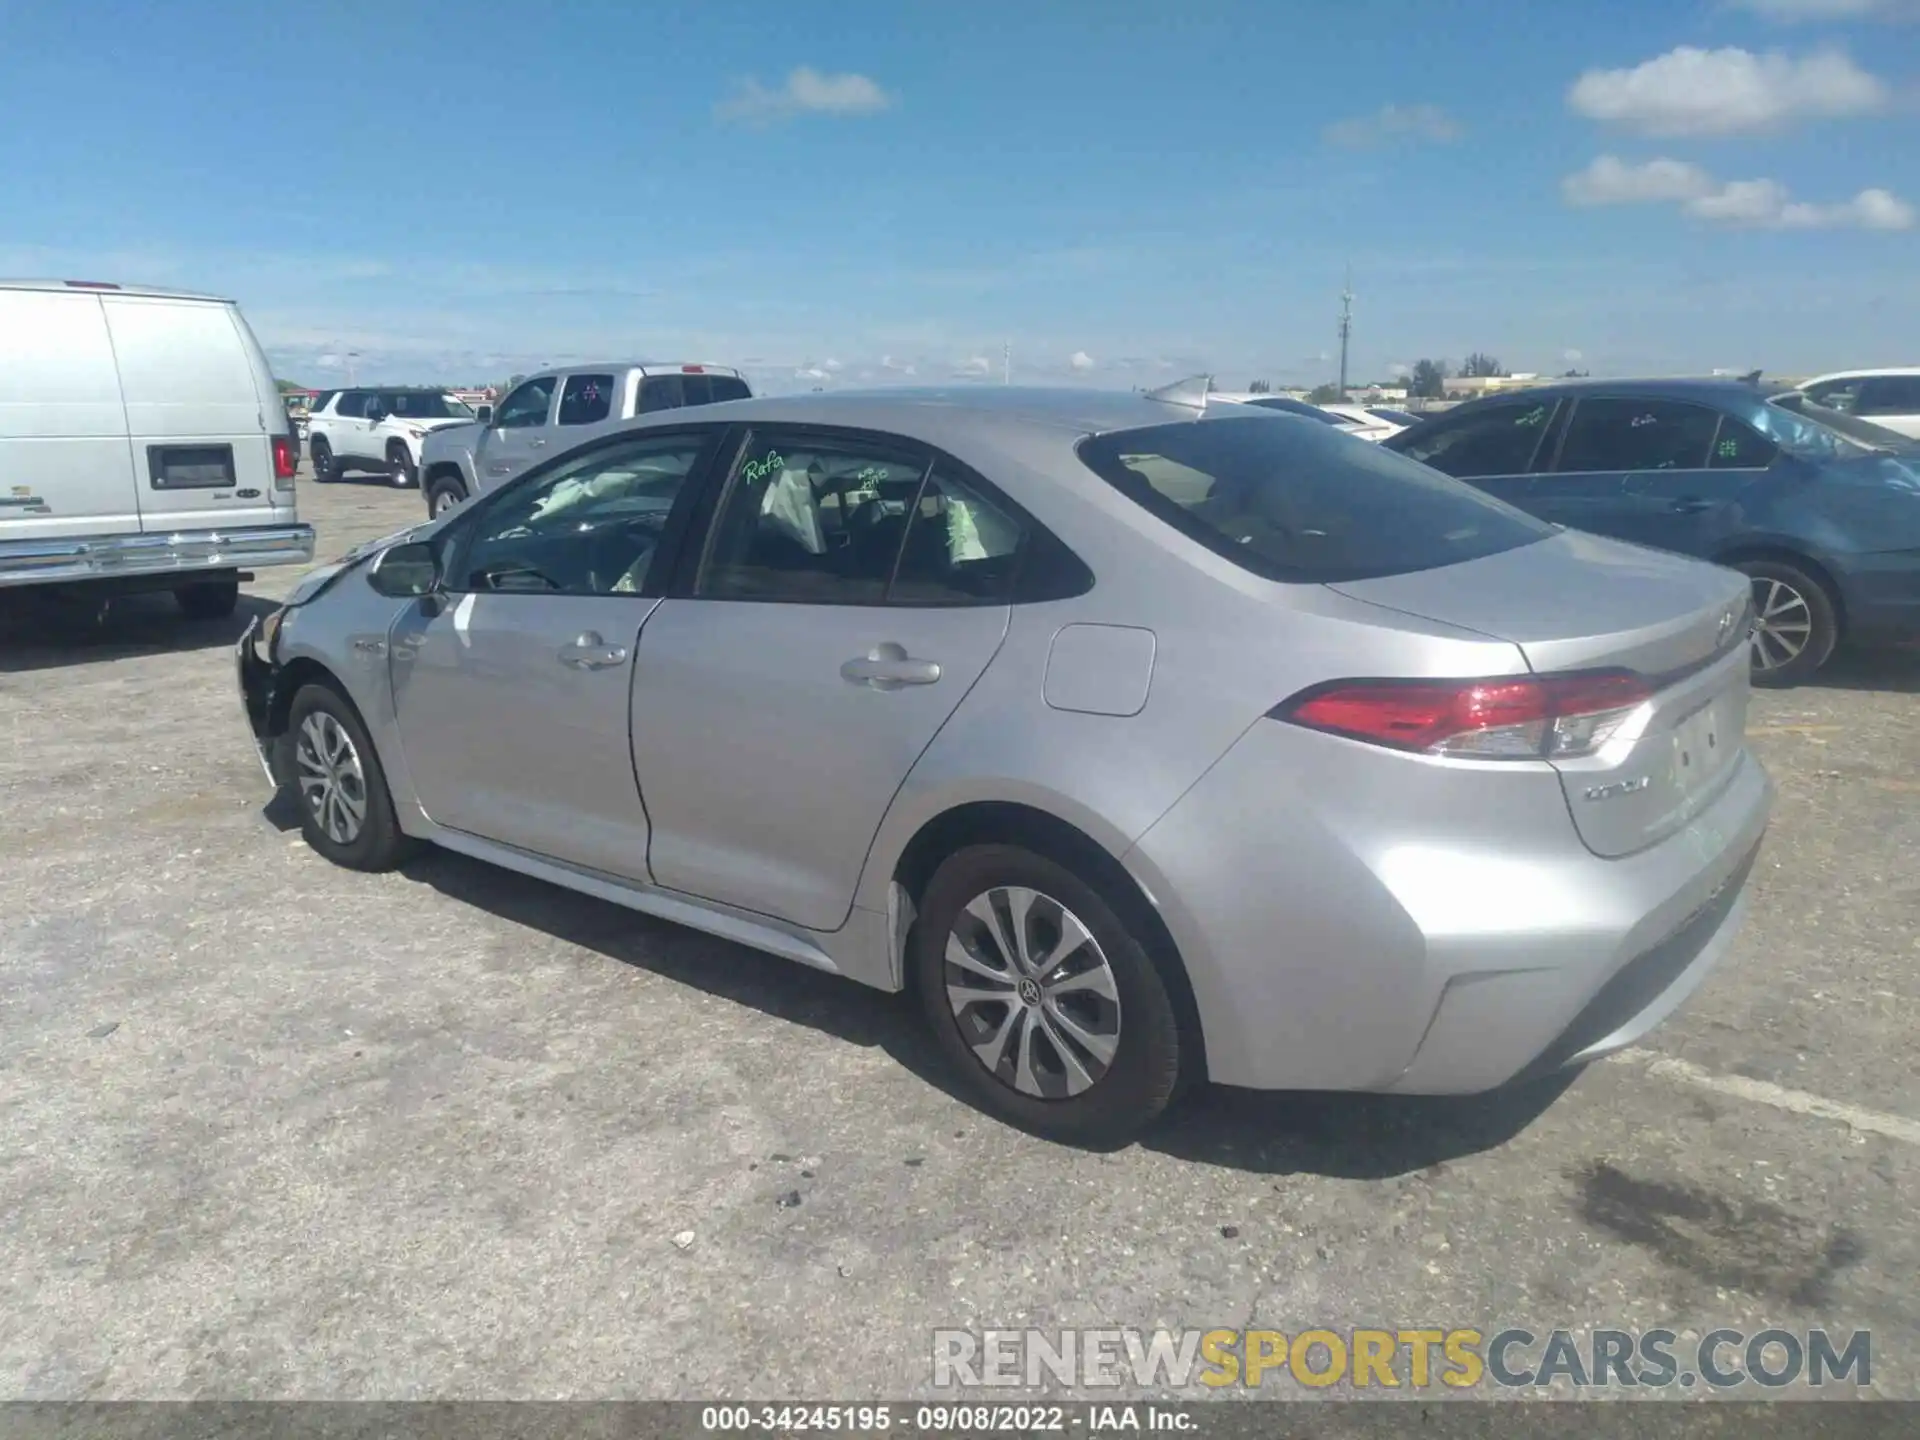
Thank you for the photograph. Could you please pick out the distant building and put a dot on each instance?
(1466, 387)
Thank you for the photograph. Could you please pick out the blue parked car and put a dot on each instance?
(1822, 510)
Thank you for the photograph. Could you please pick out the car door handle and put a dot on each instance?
(590, 652)
(888, 667)
(536, 442)
(1690, 505)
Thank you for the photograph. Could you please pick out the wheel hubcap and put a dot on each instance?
(442, 503)
(1782, 624)
(332, 783)
(1032, 993)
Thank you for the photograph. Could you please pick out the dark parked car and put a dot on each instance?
(1821, 510)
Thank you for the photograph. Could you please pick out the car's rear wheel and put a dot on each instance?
(400, 466)
(346, 812)
(1795, 623)
(1048, 1006)
(208, 599)
(325, 468)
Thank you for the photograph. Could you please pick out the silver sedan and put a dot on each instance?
(1146, 739)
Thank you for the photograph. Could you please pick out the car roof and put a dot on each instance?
(923, 411)
(1705, 390)
(673, 366)
(1885, 370)
(97, 287)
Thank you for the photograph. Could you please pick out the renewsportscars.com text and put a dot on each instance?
(1415, 1359)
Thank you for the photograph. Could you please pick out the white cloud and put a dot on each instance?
(1396, 122)
(1572, 357)
(806, 92)
(1081, 360)
(1690, 91)
(974, 365)
(1795, 12)
(1612, 181)
(1399, 370)
(1761, 204)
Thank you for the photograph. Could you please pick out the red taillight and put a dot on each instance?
(1524, 717)
(693, 369)
(283, 461)
(89, 285)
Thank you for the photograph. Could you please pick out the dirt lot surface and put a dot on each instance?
(272, 1129)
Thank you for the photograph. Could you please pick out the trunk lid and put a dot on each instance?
(1578, 602)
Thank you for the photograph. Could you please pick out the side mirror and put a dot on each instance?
(485, 412)
(405, 571)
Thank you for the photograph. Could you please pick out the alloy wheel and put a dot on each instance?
(333, 783)
(1782, 623)
(1032, 993)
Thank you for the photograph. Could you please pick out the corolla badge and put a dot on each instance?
(1618, 788)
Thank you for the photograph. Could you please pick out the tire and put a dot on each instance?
(1136, 1025)
(329, 775)
(400, 467)
(442, 495)
(326, 469)
(1790, 607)
(208, 599)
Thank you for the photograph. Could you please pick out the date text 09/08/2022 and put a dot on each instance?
(960, 1419)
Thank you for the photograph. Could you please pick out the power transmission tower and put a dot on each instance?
(1346, 328)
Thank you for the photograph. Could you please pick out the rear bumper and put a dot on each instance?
(1345, 928)
(179, 552)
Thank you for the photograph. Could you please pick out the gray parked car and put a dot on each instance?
(1145, 741)
(557, 410)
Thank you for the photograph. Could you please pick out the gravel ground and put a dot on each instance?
(271, 1129)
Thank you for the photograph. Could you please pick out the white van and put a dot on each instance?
(143, 444)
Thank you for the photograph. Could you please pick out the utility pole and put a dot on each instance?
(1346, 328)
(352, 357)
(1006, 363)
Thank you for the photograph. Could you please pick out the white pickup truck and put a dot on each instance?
(554, 411)
(379, 430)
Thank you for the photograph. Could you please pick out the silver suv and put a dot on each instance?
(556, 410)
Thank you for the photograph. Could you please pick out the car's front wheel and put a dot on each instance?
(1044, 999)
(1795, 623)
(442, 495)
(346, 812)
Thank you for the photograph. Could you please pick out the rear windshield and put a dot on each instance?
(1876, 437)
(1305, 503)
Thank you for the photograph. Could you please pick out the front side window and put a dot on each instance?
(527, 406)
(591, 527)
(352, 406)
(1303, 503)
(811, 522)
(586, 399)
(1890, 395)
(1494, 440)
(1629, 434)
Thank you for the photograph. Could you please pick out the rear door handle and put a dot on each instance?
(536, 442)
(888, 667)
(590, 652)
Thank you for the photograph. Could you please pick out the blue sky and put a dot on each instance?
(850, 192)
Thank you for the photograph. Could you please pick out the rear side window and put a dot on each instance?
(1493, 440)
(1739, 446)
(1303, 503)
(586, 399)
(1630, 434)
(659, 392)
(352, 406)
(1890, 395)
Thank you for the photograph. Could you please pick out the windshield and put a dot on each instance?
(1299, 407)
(1863, 432)
(415, 405)
(1305, 504)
